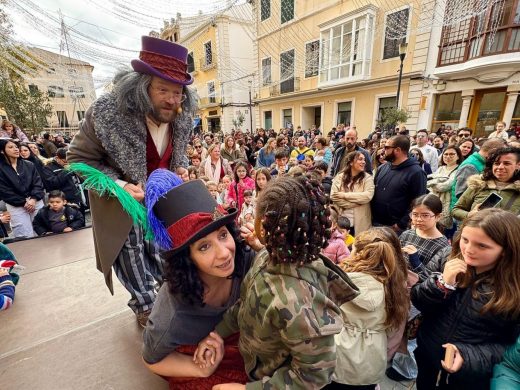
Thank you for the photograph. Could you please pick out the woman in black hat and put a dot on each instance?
(205, 262)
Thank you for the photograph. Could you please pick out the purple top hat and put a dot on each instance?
(164, 59)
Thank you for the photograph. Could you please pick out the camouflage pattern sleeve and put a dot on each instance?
(311, 367)
(229, 323)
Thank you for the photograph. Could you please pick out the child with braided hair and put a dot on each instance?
(288, 311)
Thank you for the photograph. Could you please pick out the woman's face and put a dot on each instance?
(504, 167)
(272, 145)
(309, 162)
(241, 172)
(359, 163)
(261, 180)
(34, 149)
(230, 142)
(319, 146)
(25, 152)
(215, 153)
(259, 144)
(478, 249)
(449, 157)
(214, 254)
(381, 156)
(11, 150)
(465, 148)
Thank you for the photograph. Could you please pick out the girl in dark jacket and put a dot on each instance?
(20, 187)
(470, 304)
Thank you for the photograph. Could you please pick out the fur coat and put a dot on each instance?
(115, 143)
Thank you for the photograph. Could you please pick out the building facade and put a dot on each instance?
(324, 62)
(70, 86)
(221, 61)
(473, 68)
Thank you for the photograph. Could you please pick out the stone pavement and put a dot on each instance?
(65, 331)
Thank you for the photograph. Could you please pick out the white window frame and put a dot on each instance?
(205, 54)
(316, 104)
(352, 109)
(408, 30)
(214, 95)
(376, 105)
(305, 58)
(270, 71)
(367, 50)
(282, 124)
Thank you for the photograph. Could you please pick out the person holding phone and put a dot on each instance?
(470, 304)
(498, 186)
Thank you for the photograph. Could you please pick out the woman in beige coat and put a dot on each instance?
(352, 190)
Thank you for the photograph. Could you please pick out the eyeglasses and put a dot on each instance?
(198, 147)
(389, 147)
(165, 94)
(465, 135)
(422, 216)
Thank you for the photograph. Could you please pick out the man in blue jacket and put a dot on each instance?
(397, 182)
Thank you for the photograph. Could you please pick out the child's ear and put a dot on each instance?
(64, 201)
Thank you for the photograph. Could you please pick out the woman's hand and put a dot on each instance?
(247, 232)
(452, 269)
(214, 344)
(475, 210)
(457, 359)
(5, 217)
(229, 386)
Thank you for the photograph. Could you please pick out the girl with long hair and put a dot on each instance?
(378, 268)
(352, 190)
(242, 182)
(263, 176)
(467, 148)
(21, 189)
(266, 154)
(230, 151)
(470, 304)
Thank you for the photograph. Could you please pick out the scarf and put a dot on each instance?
(213, 175)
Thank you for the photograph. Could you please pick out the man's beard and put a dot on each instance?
(163, 117)
(350, 146)
(390, 157)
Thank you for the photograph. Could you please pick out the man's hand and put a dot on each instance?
(67, 229)
(229, 386)
(30, 205)
(136, 191)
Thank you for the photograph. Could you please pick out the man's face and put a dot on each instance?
(500, 126)
(166, 97)
(350, 139)
(301, 142)
(422, 139)
(438, 142)
(208, 140)
(389, 151)
(464, 134)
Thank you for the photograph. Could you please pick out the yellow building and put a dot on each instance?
(324, 62)
(473, 76)
(221, 60)
(69, 84)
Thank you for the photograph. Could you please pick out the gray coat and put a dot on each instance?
(115, 143)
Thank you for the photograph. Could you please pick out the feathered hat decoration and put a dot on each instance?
(159, 183)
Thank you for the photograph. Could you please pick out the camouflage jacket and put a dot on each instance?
(287, 317)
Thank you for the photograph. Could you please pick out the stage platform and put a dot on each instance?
(66, 331)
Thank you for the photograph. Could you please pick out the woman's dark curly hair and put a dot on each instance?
(348, 180)
(488, 170)
(182, 275)
(295, 219)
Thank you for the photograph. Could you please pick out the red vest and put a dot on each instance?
(153, 160)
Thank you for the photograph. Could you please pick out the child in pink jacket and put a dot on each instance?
(337, 249)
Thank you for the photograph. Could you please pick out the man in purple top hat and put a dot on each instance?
(145, 123)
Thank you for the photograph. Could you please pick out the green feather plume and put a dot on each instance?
(97, 181)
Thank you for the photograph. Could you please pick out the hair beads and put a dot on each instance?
(295, 218)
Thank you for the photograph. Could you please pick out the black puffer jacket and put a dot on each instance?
(456, 319)
(17, 186)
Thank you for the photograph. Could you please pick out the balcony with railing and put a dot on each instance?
(207, 62)
(290, 85)
(490, 38)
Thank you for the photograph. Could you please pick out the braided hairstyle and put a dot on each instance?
(295, 220)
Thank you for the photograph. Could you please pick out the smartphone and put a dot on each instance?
(491, 201)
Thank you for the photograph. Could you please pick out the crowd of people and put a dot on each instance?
(33, 176)
(294, 259)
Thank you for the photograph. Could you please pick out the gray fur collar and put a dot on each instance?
(123, 136)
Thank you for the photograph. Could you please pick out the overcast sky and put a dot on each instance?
(102, 20)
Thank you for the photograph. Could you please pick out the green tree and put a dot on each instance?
(29, 109)
(391, 117)
(239, 120)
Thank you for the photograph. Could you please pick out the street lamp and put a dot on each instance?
(402, 54)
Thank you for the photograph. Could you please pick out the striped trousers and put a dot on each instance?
(139, 268)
